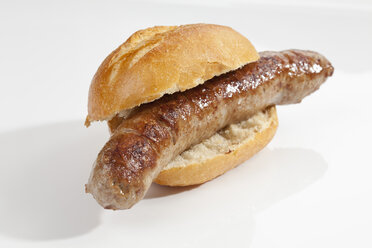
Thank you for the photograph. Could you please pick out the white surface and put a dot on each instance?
(311, 187)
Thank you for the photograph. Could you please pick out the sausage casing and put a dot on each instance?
(158, 131)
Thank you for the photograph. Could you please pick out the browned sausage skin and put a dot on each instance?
(158, 131)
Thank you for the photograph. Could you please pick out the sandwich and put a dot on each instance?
(184, 104)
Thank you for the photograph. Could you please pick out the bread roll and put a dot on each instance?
(163, 60)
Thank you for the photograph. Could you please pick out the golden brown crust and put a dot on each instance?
(205, 170)
(160, 60)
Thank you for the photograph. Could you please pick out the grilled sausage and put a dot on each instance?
(156, 132)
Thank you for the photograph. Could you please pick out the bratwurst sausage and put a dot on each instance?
(155, 133)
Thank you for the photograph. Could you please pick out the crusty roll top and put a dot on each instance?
(163, 60)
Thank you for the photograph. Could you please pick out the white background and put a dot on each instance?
(311, 187)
